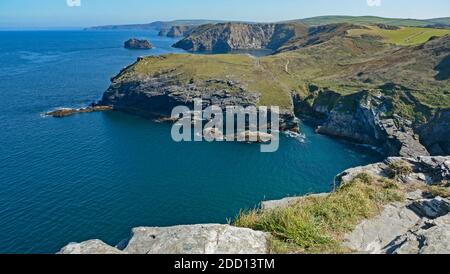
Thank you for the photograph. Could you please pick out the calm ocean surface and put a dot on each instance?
(99, 175)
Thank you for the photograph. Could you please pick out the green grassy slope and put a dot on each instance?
(323, 20)
(404, 36)
(412, 77)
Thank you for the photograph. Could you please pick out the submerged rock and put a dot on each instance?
(64, 112)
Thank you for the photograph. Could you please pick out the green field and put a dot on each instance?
(372, 20)
(404, 36)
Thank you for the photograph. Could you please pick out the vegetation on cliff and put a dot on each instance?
(356, 83)
(317, 224)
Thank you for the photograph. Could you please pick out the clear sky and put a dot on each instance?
(82, 13)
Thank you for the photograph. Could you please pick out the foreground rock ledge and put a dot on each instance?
(188, 239)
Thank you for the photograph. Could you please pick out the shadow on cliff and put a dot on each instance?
(444, 69)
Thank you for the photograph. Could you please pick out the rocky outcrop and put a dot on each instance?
(64, 112)
(425, 170)
(93, 247)
(177, 31)
(233, 36)
(405, 228)
(137, 44)
(155, 96)
(417, 226)
(428, 237)
(191, 239)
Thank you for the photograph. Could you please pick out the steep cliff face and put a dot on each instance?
(355, 88)
(152, 87)
(436, 133)
(365, 118)
(233, 36)
(177, 31)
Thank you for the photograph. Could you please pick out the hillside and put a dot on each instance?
(403, 36)
(372, 20)
(224, 37)
(358, 88)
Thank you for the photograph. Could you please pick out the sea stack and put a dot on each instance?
(138, 44)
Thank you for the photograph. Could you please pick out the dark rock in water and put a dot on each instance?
(64, 112)
(138, 44)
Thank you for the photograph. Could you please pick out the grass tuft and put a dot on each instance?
(398, 169)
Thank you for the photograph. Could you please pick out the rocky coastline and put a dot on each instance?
(65, 112)
(418, 225)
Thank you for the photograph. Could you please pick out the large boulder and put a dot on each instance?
(187, 239)
(89, 247)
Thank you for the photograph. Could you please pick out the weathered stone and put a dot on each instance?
(431, 209)
(188, 239)
(197, 239)
(90, 247)
(430, 237)
(374, 235)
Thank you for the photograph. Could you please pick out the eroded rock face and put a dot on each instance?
(436, 134)
(361, 117)
(190, 239)
(232, 36)
(157, 96)
(177, 31)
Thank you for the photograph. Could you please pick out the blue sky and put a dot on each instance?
(57, 13)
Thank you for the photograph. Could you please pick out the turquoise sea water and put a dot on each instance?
(99, 175)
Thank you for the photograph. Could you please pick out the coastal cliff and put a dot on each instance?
(177, 31)
(232, 36)
(369, 92)
(402, 207)
(152, 87)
